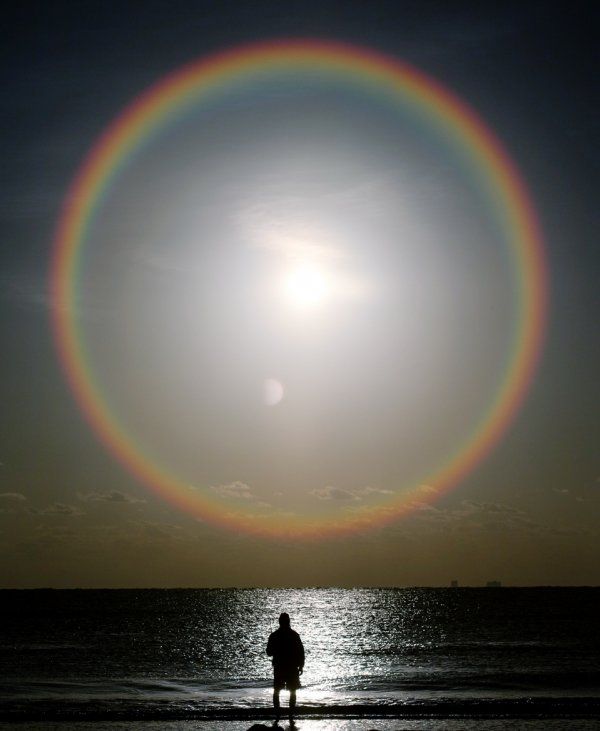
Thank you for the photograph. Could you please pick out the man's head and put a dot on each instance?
(284, 619)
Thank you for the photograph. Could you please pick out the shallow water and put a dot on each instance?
(334, 725)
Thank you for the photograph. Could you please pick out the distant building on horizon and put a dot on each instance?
(454, 583)
(494, 584)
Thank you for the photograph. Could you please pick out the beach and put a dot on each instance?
(327, 725)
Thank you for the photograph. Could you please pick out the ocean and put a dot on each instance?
(399, 657)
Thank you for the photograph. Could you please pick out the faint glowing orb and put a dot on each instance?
(272, 391)
(306, 286)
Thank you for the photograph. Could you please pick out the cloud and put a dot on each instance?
(46, 540)
(31, 294)
(482, 515)
(150, 532)
(238, 490)
(363, 491)
(487, 517)
(333, 493)
(337, 493)
(284, 226)
(234, 490)
(579, 498)
(58, 509)
(110, 496)
(12, 501)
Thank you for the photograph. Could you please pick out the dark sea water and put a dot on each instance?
(177, 655)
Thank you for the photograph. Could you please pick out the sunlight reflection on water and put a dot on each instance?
(206, 648)
(355, 639)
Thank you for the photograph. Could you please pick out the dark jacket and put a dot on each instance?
(286, 648)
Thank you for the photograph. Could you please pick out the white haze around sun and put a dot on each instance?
(297, 297)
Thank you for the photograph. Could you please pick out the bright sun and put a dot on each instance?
(306, 286)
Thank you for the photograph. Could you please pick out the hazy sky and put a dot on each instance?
(297, 302)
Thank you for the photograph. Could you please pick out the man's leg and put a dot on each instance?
(276, 703)
(292, 704)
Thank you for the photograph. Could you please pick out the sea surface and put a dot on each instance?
(112, 657)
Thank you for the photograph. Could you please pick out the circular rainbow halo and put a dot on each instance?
(306, 287)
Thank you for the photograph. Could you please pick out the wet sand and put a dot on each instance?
(456, 724)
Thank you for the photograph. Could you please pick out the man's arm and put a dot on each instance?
(300, 655)
(270, 648)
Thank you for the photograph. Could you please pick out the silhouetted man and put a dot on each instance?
(287, 651)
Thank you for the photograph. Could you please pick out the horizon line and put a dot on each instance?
(299, 588)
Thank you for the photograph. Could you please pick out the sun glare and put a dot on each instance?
(306, 287)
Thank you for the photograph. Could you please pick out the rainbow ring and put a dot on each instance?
(375, 73)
